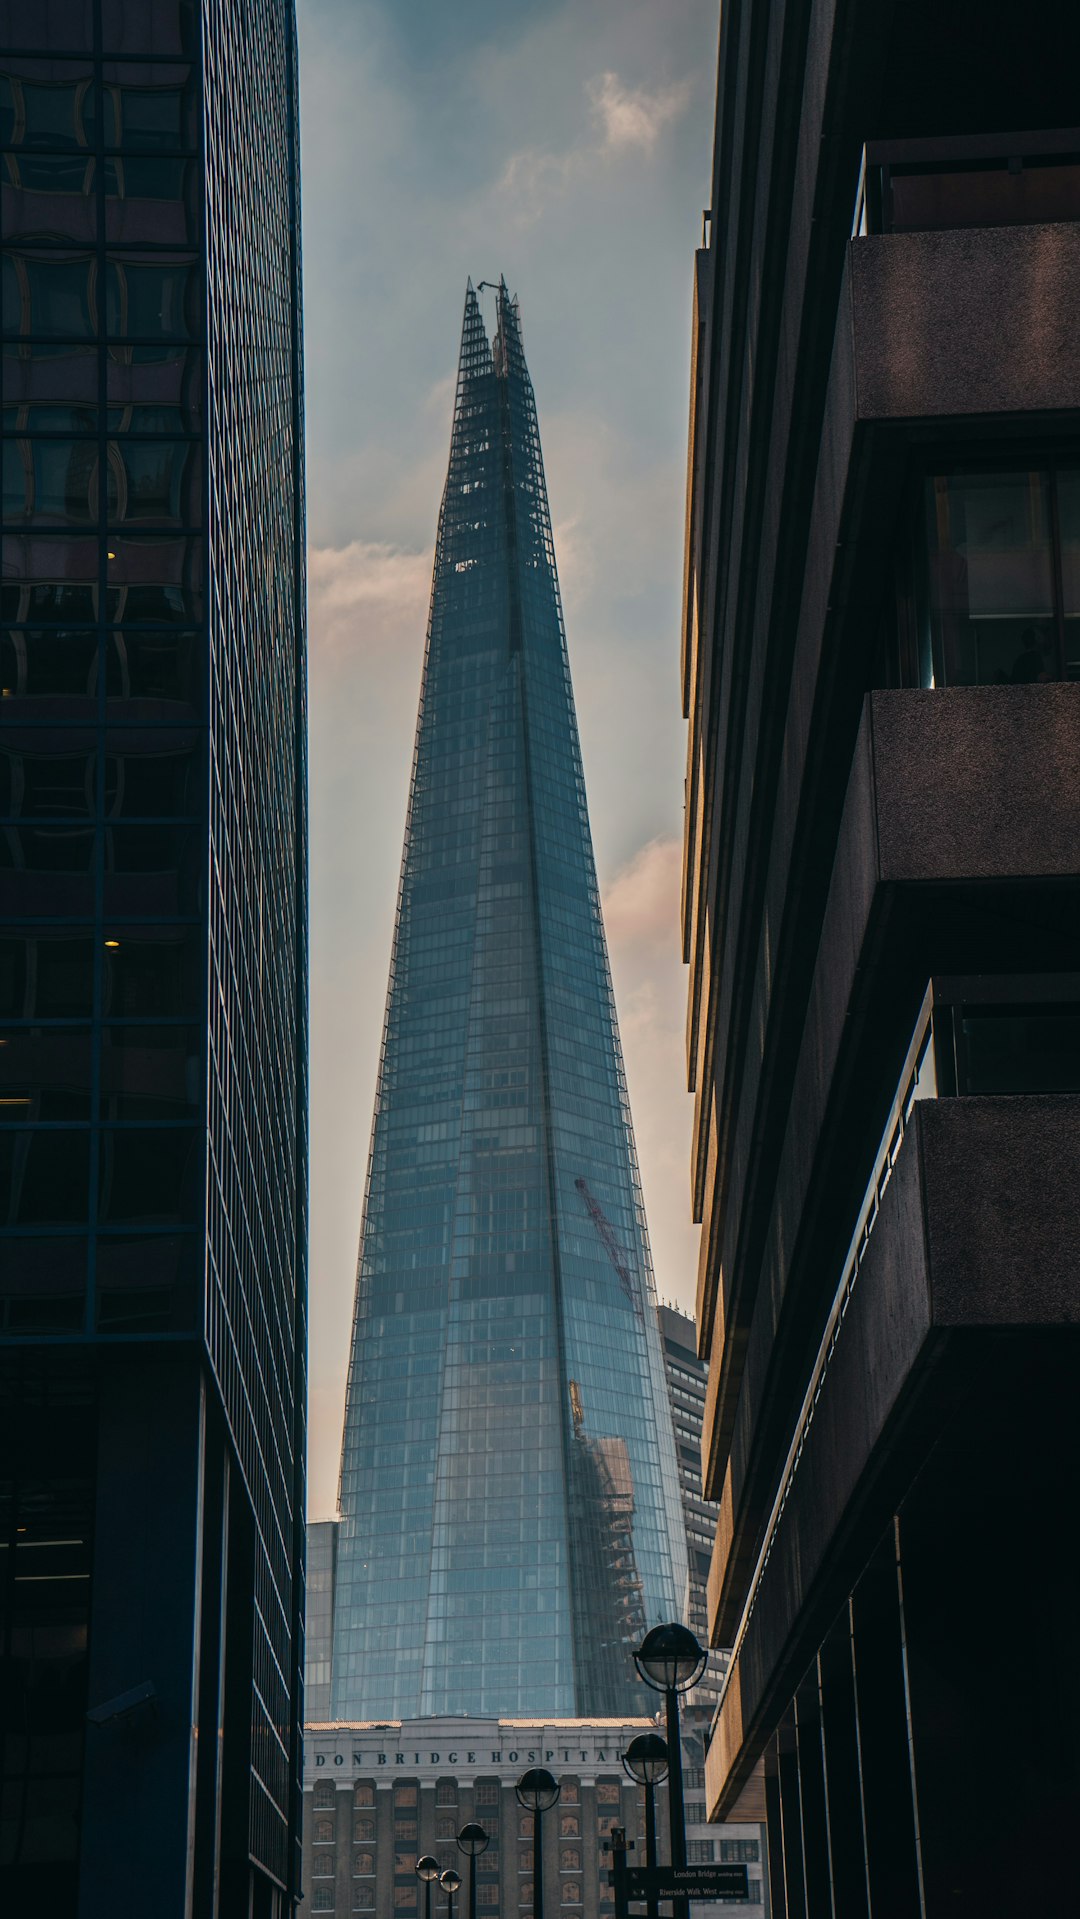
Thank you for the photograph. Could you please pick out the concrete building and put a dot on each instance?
(376, 1797)
(882, 920)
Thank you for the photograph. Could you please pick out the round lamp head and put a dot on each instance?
(669, 1657)
(472, 1839)
(646, 1759)
(537, 1789)
(450, 1881)
(427, 1867)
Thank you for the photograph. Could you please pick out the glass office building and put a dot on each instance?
(509, 1501)
(152, 957)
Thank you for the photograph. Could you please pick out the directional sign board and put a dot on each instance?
(692, 1882)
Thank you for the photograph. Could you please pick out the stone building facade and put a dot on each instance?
(377, 1797)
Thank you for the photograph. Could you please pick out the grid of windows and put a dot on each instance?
(507, 1449)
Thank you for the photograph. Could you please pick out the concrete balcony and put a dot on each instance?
(958, 851)
(973, 1241)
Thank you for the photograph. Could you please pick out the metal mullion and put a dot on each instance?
(102, 675)
(1058, 570)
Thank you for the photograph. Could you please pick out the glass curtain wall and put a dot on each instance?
(510, 1517)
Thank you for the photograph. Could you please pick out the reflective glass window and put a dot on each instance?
(155, 390)
(147, 1283)
(154, 579)
(50, 294)
(153, 870)
(1016, 1049)
(50, 665)
(152, 774)
(50, 482)
(155, 481)
(46, 972)
(168, 27)
(46, 870)
(152, 972)
(45, 104)
(44, 1176)
(42, 1281)
(990, 578)
(49, 388)
(149, 109)
(150, 1072)
(48, 198)
(53, 779)
(152, 299)
(45, 1073)
(151, 199)
(155, 669)
(149, 1176)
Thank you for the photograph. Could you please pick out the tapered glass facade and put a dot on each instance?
(510, 1514)
(152, 953)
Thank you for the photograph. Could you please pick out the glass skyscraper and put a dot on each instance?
(509, 1499)
(152, 958)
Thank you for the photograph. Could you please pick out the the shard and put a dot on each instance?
(509, 1499)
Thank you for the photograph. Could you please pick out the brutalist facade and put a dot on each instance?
(152, 957)
(510, 1516)
(882, 919)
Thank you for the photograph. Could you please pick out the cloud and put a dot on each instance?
(641, 914)
(625, 118)
(365, 597)
(634, 116)
(641, 905)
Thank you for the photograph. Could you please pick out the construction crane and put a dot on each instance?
(611, 1246)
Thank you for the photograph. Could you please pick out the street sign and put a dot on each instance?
(691, 1882)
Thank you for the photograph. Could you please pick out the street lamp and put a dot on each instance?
(450, 1881)
(472, 1840)
(670, 1660)
(427, 1869)
(646, 1760)
(537, 1791)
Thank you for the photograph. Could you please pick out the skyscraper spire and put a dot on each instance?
(508, 1488)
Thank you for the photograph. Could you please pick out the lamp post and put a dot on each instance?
(472, 1840)
(670, 1660)
(537, 1791)
(450, 1881)
(646, 1761)
(427, 1869)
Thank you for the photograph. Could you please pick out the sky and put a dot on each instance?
(567, 145)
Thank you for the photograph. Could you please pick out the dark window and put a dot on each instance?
(993, 595)
(45, 1073)
(916, 185)
(153, 972)
(1013, 1049)
(45, 972)
(363, 1862)
(150, 1177)
(42, 1281)
(487, 1792)
(44, 1177)
(363, 1793)
(363, 1829)
(736, 1850)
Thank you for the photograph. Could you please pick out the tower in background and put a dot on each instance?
(152, 958)
(510, 1518)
